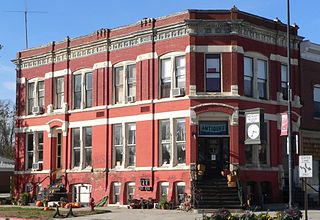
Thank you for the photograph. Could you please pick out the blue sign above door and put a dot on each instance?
(211, 128)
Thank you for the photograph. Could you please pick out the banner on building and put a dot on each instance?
(254, 127)
(284, 124)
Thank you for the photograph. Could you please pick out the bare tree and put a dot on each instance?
(7, 124)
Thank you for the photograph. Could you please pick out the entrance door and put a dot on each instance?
(214, 154)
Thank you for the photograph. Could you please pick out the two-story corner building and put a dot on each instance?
(310, 97)
(129, 112)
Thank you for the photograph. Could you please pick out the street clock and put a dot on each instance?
(254, 126)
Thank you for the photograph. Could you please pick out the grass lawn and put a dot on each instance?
(38, 213)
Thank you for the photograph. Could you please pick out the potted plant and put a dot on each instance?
(221, 214)
(25, 198)
(163, 203)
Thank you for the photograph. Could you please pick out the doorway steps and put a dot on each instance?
(215, 194)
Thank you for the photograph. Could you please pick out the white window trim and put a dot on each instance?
(172, 56)
(205, 73)
(81, 72)
(280, 96)
(131, 184)
(165, 184)
(173, 144)
(125, 88)
(176, 189)
(255, 57)
(35, 149)
(124, 138)
(35, 92)
(82, 150)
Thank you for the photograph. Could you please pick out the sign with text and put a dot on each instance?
(211, 128)
(254, 129)
(305, 166)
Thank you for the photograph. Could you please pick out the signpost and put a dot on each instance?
(305, 171)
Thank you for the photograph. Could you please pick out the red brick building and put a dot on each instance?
(130, 111)
(310, 97)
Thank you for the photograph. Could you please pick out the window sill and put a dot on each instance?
(78, 170)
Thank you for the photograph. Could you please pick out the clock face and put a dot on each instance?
(253, 131)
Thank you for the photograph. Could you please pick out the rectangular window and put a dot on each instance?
(164, 189)
(316, 99)
(59, 150)
(30, 150)
(31, 97)
(117, 144)
(88, 89)
(118, 75)
(87, 146)
(180, 71)
(59, 92)
(284, 82)
(180, 190)
(40, 146)
(248, 76)
(40, 93)
(131, 81)
(165, 142)
(130, 192)
(181, 140)
(165, 78)
(76, 147)
(213, 73)
(131, 144)
(77, 88)
(262, 79)
(116, 192)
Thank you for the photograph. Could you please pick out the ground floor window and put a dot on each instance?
(116, 193)
(81, 193)
(180, 192)
(164, 190)
(130, 191)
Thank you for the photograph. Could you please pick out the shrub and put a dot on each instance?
(248, 215)
(25, 198)
(289, 214)
(221, 214)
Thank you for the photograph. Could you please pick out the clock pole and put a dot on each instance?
(289, 106)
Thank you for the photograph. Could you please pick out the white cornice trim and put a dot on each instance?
(283, 59)
(57, 73)
(215, 49)
(32, 128)
(101, 65)
(147, 56)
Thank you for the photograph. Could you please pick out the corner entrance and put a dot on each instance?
(214, 154)
(213, 148)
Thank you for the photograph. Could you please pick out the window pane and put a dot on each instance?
(248, 91)
(262, 89)
(165, 78)
(77, 91)
(181, 130)
(76, 146)
(30, 142)
(88, 136)
(248, 66)
(316, 97)
(132, 134)
(180, 194)
(180, 71)
(88, 94)
(119, 154)
(131, 80)
(88, 157)
(249, 158)
(262, 69)
(59, 92)
(132, 155)
(30, 97)
(40, 146)
(76, 162)
(30, 160)
(165, 130)
(41, 93)
(166, 153)
(117, 130)
(181, 153)
(119, 76)
(262, 154)
(213, 85)
(213, 63)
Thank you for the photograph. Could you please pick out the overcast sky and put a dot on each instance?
(61, 18)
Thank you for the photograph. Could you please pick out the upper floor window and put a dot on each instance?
(59, 92)
(35, 97)
(124, 146)
(34, 149)
(255, 77)
(173, 75)
(82, 90)
(125, 83)
(172, 142)
(82, 147)
(213, 73)
(284, 82)
(316, 99)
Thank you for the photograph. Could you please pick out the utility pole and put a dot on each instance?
(26, 12)
(289, 107)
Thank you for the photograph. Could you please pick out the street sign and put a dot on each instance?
(305, 166)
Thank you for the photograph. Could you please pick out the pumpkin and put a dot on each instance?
(67, 206)
(76, 205)
(46, 208)
(39, 203)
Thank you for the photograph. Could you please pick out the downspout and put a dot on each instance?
(51, 138)
(153, 97)
(67, 116)
(106, 80)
